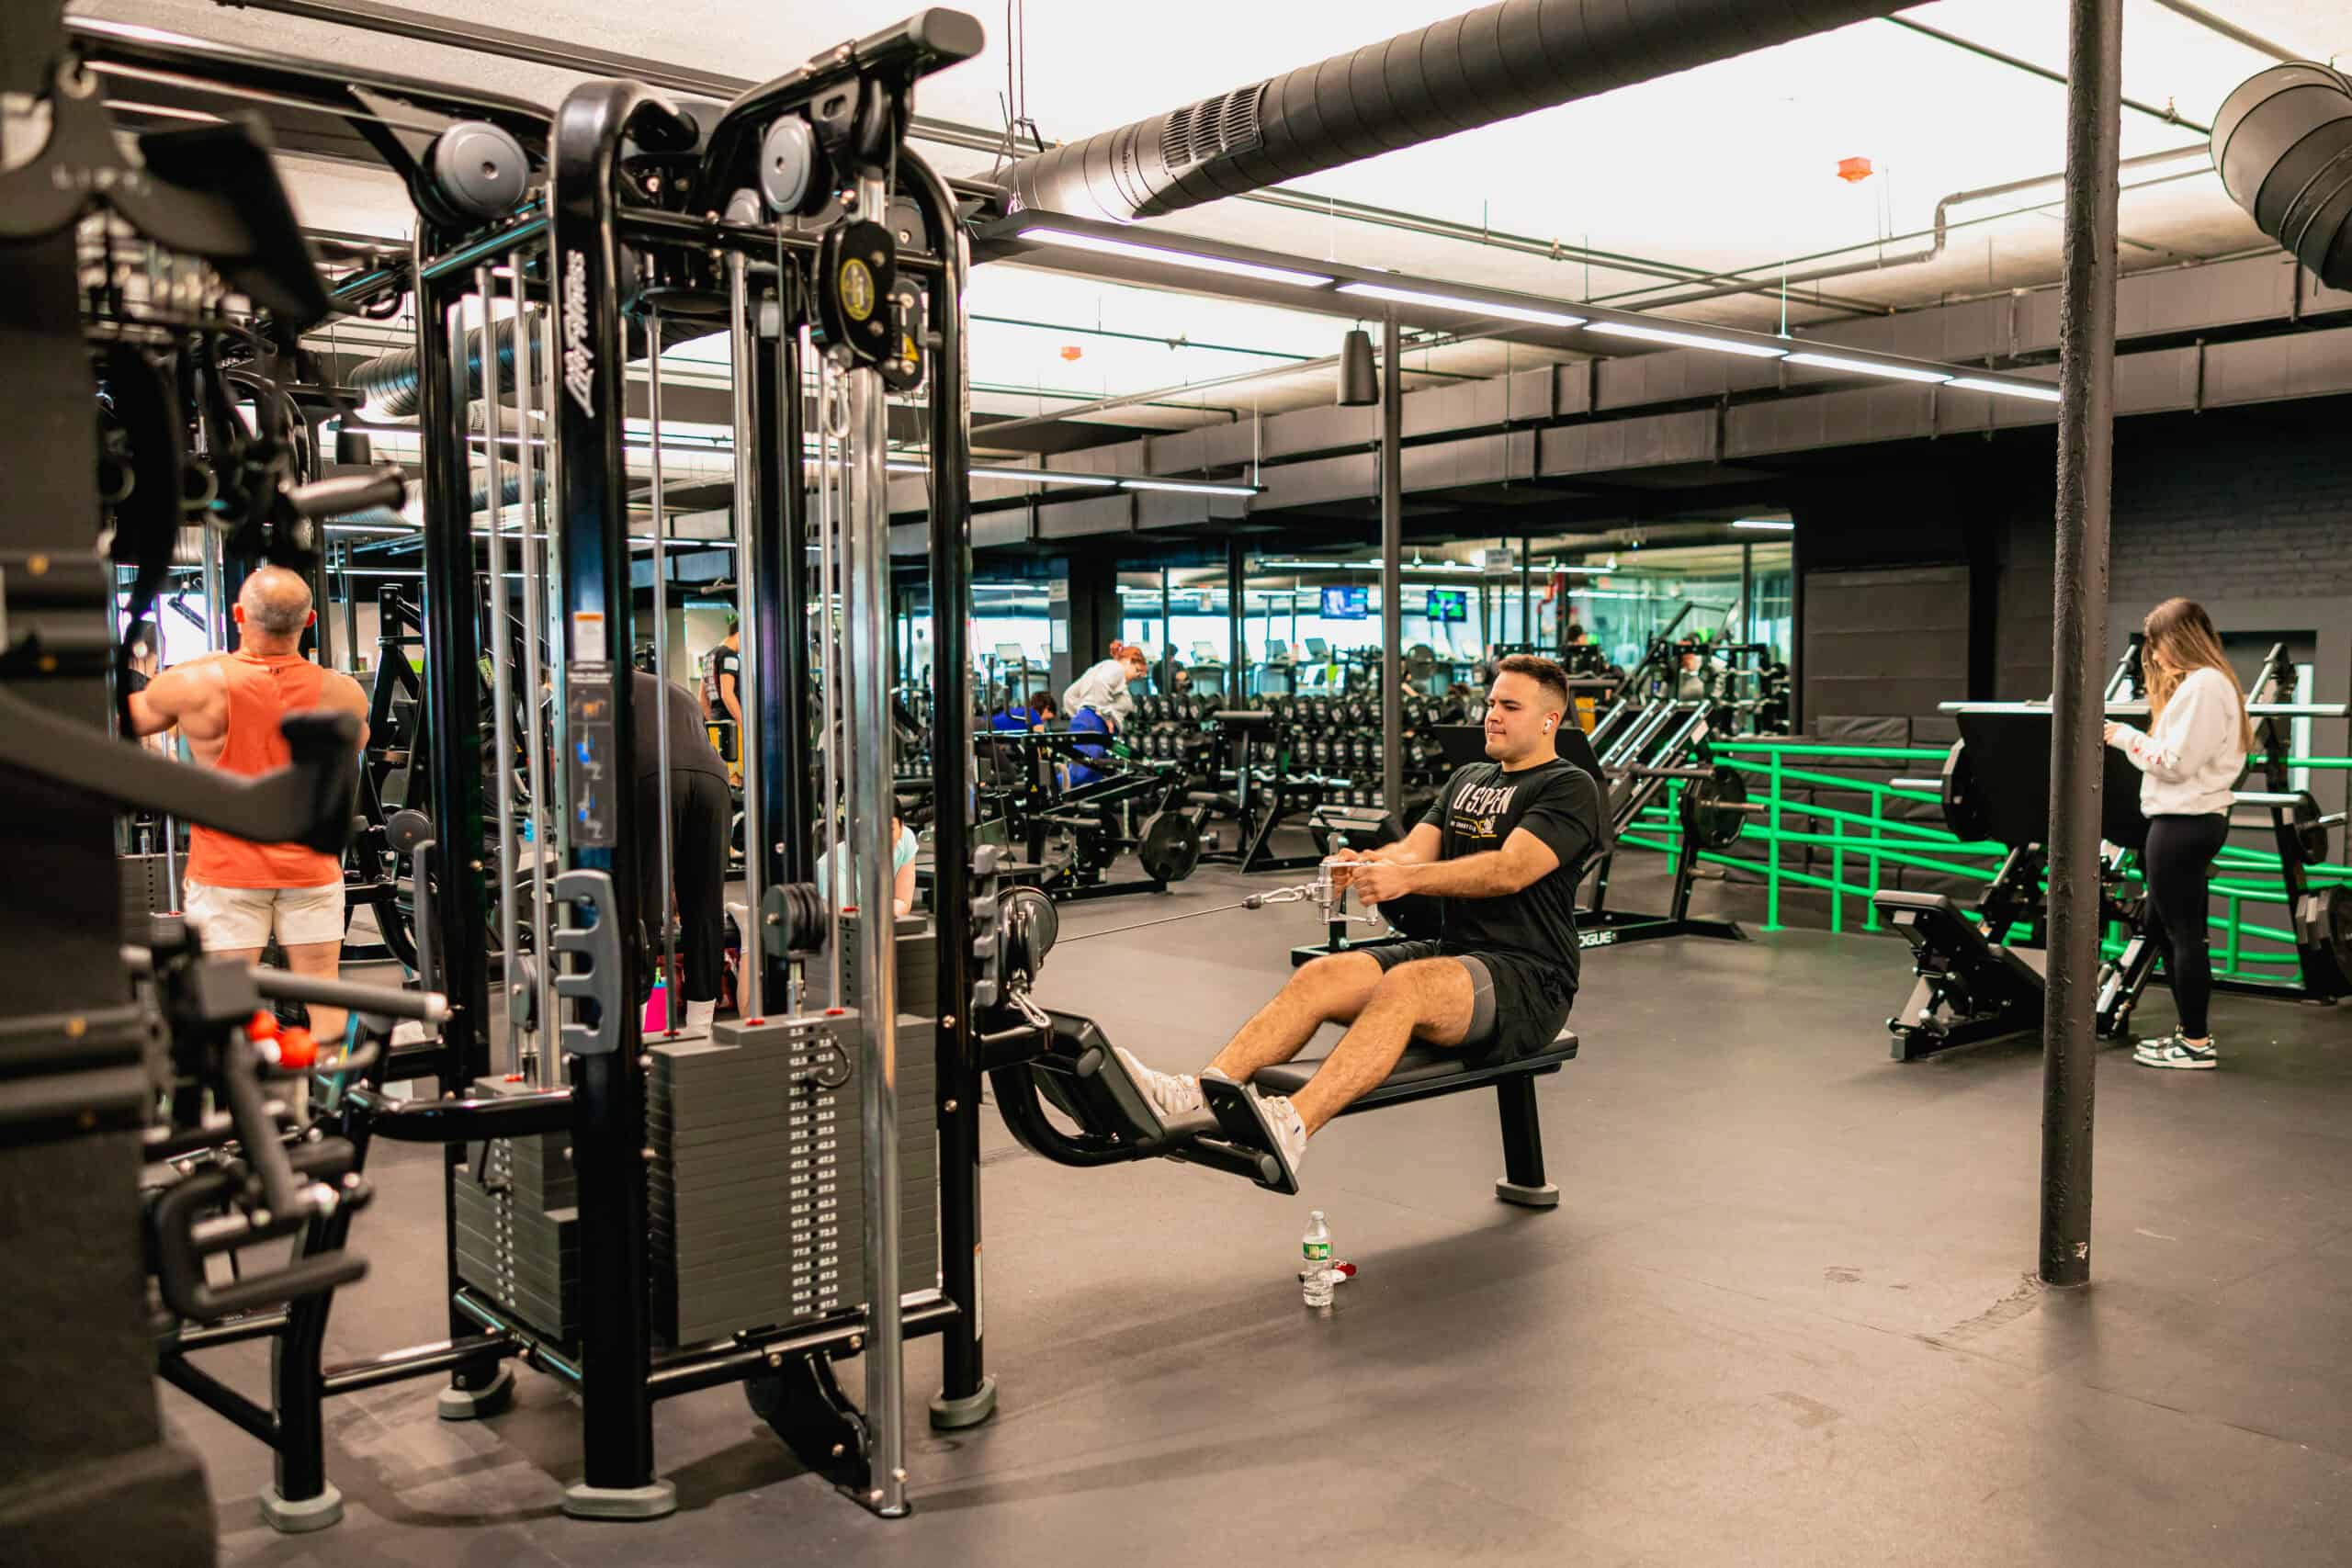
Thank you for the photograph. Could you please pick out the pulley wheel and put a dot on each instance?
(1031, 925)
(1168, 846)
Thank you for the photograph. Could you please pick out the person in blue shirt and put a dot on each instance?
(1035, 713)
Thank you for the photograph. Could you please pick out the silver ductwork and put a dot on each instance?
(2283, 144)
(1492, 64)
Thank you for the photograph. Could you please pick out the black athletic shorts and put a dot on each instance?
(1520, 1006)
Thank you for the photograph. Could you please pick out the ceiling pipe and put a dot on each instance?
(2168, 114)
(983, 435)
(1941, 230)
(478, 38)
(1489, 65)
(2231, 30)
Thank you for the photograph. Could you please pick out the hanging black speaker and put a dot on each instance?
(1359, 382)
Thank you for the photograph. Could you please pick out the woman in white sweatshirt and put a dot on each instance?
(2194, 750)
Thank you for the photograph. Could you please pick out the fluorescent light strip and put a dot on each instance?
(1867, 367)
(1135, 252)
(1765, 522)
(1456, 302)
(2035, 391)
(1190, 487)
(1042, 476)
(1684, 340)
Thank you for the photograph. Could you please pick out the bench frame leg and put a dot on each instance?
(1522, 1181)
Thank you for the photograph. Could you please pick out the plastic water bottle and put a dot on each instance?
(1314, 1261)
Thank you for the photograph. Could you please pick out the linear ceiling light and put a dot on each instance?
(1190, 487)
(1193, 259)
(1685, 340)
(1040, 476)
(2033, 389)
(1772, 524)
(1467, 307)
(1868, 367)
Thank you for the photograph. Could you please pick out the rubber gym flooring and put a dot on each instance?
(1781, 1315)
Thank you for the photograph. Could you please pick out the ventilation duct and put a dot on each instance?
(1492, 64)
(2283, 144)
(388, 383)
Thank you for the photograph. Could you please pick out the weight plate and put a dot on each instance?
(2311, 838)
(407, 829)
(2324, 922)
(1168, 846)
(1710, 811)
(1965, 812)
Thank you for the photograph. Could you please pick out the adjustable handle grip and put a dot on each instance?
(346, 493)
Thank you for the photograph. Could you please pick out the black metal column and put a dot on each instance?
(1167, 638)
(1526, 595)
(453, 717)
(90, 1473)
(1392, 564)
(780, 624)
(595, 633)
(1237, 605)
(965, 1394)
(2079, 654)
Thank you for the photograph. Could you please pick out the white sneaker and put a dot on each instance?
(1290, 1129)
(1170, 1094)
(2175, 1052)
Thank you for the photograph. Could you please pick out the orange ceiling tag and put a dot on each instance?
(1854, 170)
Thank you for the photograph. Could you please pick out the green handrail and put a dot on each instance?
(1874, 841)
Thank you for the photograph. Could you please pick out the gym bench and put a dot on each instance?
(1071, 1063)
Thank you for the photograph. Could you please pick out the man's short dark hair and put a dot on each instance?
(1539, 670)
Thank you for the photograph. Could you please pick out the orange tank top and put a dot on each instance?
(261, 692)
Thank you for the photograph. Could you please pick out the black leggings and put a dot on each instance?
(2180, 852)
(701, 813)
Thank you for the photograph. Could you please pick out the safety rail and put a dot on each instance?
(2243, 949)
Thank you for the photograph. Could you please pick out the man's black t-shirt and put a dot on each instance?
(1477, 811)
(690, 750)
(721, 661)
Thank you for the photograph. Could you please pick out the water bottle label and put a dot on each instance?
(1315, 1251)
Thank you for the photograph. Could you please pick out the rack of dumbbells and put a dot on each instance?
(1072, 835)
(1304, 753)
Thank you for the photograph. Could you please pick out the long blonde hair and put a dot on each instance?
(2181, 639)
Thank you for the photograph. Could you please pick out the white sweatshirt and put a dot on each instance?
(1102, 687)
(2196, 752)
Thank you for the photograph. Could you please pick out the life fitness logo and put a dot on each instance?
(579, 360)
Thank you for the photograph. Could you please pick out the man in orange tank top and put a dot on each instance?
(228, 705)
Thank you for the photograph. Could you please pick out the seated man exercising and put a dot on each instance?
(1502, 847)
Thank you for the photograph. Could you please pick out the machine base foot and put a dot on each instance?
(1544, 1197)
(581, 1501)
(301, 1518)
(955, 1414)
(477, 1403)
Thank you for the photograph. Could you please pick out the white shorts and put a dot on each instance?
(232, 917)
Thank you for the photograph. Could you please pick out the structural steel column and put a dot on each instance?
(1392, 565)
(2085, 463)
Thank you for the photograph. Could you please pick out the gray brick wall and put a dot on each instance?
(2233, 519)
